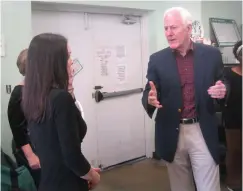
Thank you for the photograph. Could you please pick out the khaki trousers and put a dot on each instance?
(193, 158)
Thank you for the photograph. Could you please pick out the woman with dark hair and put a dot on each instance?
(22, 148)
(232, 115)
(56, 126)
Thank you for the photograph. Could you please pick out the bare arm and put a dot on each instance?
(33, 160)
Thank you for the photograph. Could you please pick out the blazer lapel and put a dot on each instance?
(173, 69)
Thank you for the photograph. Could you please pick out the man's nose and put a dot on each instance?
(169, 35)
(169, 32)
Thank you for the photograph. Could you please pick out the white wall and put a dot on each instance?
(16, 29)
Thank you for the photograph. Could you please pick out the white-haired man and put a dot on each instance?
(183, 82)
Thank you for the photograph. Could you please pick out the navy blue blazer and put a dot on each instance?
(162, 70)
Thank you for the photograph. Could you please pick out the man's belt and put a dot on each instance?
(189, 120)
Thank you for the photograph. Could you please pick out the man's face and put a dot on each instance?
(176, 32)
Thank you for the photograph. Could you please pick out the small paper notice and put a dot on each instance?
(121, 73)
(103, 55)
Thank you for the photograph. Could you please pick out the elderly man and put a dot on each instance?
(183, 82)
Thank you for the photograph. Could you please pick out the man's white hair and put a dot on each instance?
(185, 15)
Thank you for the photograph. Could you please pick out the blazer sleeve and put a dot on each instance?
(220, 75)
(68, 134)
(16, 118)
(151, 76)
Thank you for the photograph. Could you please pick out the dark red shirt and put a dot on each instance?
(186, 72)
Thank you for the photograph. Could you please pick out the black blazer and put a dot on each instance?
(162, 70)
(57, 140)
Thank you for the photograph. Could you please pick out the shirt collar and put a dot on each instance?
(191, 47)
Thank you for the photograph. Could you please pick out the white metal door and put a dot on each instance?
(118, 67)
(74, 27)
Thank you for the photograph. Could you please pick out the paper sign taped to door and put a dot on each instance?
(103, 55)
(121, 73)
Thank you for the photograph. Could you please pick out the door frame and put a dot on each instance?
(143, 14)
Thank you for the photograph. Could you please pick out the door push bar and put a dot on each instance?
(98, 95)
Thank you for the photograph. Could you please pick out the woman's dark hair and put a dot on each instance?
(21, 61)
(238, 55)
(46, 69)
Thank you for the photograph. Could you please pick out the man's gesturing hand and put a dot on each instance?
(152, 96)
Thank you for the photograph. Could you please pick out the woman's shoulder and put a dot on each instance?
(16, 94)
(17, 89)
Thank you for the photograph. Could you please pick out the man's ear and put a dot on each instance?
(189, 28)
